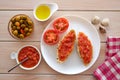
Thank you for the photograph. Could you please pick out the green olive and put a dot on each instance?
(15, 32)
(21, 17)
(26, 29)
(14, 27)
(25, 22)
(23, 25)
(17, 23)
(13, 20)
(21, 36)
(30, 30)
(29, 22)
(18, 27)
(24, 17)
(21, 21)
(17, 18)
(27, 34)
(29, 26)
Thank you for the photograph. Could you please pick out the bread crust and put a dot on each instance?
(62, 43)
(89, 53)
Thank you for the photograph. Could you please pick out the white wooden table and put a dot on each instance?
(85, 8)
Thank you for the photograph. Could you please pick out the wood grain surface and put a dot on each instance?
(83, 8)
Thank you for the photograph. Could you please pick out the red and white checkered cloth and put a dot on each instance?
(113, 46)
(110, 69)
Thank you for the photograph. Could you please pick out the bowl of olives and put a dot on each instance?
(20, 26)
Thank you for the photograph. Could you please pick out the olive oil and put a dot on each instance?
(43, 12)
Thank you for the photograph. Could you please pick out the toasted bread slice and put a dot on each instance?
(84, 48)
(65, 46)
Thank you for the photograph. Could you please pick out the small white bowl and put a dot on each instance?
(14, 55)
(52, 6)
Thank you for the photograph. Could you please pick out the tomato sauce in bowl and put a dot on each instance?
(32, 53)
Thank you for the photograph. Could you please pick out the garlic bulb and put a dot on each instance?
(95, 20)
(105, 22)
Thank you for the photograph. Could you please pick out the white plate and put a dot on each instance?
(74, 64)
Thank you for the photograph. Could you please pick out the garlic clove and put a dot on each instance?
(102, 29)
(105, 22)
(95, 20)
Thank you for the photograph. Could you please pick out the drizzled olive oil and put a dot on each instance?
(43, 12)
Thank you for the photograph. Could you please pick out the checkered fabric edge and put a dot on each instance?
(110, 69)
(112, 46)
